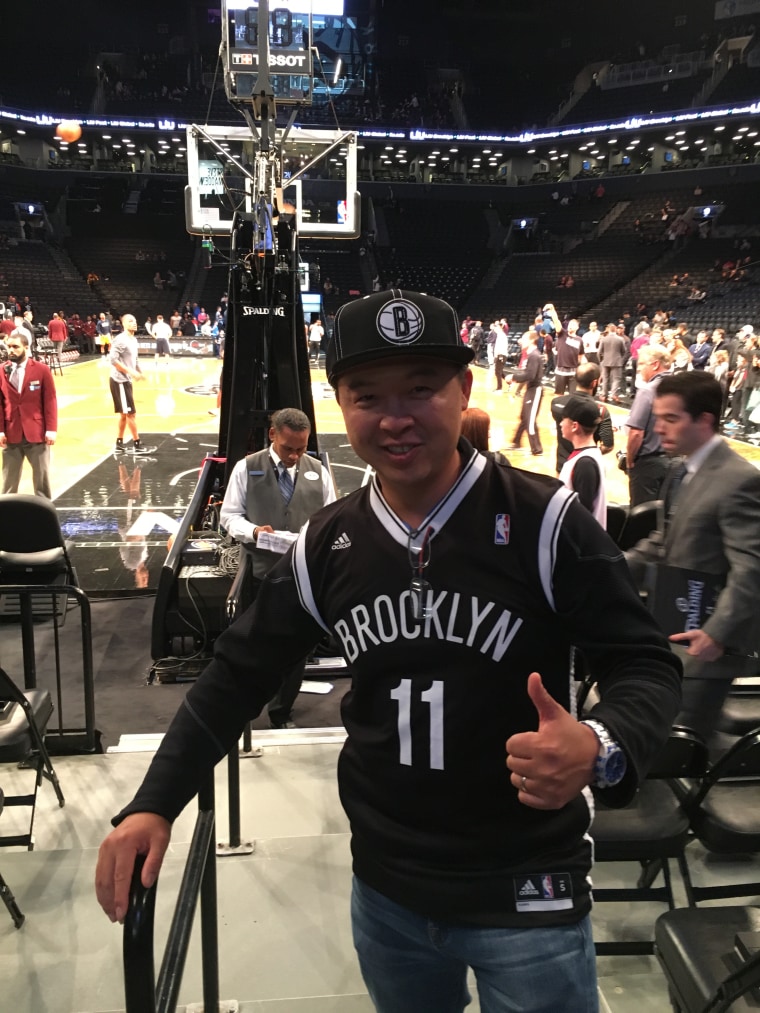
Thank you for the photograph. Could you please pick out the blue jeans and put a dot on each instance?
(411, 964)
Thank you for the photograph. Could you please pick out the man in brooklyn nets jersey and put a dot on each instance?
(456, 588)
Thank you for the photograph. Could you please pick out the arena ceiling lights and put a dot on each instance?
(693, 126)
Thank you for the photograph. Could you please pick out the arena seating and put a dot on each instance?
(110, 248)
(444, 254)
(601, 105)
(30, 269)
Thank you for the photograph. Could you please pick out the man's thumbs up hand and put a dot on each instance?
(546, 706)
(551, 766)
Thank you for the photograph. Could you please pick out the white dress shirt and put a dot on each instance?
(16, 379)
(232, 514)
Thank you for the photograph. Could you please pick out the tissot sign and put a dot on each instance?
(298, 62)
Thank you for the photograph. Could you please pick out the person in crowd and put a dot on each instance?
(568, 348)
(476, 426)
(103, 335)
(444, 831)
(680, 356)
(738, 392)
(87, 339)
(493, 332)
(189, 328)
(316, 334)
(645, 460)
(7, 324)
(29, 417)
(550, 322)
(583, 471)
(161, 334)
(700, 351)
(531, 376)
(477, 337)
(719, 367)
(27, 322)
(276, 490)
(708, 524)
(640, 339)
(125, 369)
(500, 355)
(58, 330)
(721, 343)
(591, 342)
(613, 353)
(586, 384)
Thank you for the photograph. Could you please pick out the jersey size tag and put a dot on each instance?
(543, 891)
(501, 530)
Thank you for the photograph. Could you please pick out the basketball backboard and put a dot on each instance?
(315, 172)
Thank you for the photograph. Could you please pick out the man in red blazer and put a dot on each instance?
(29, 418)
(58, 330)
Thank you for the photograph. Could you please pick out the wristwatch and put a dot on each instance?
(611, 764)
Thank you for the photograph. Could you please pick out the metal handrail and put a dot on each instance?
(142, 993)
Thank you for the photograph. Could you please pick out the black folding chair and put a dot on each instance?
(6, 893)
(649, 831)
(711, 958)
(23, 720)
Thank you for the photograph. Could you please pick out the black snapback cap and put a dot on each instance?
(583, 410)
(392, 323)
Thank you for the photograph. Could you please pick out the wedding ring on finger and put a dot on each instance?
(523, 782)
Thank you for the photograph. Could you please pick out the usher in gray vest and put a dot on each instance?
(264, 501)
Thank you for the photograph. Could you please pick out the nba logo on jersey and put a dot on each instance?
(501, 530)
(546, 887)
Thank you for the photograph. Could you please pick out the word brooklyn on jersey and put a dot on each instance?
(449, 616)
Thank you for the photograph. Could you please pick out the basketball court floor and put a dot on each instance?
(118, 511)
(285, 944)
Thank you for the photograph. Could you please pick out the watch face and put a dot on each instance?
(615, 767)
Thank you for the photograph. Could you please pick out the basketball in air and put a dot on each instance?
(69, 130)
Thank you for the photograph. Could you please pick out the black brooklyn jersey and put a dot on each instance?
(518, 573)
(437, 824)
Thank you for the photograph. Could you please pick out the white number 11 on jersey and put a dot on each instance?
(434, 698)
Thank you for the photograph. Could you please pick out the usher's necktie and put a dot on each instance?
(286, 483)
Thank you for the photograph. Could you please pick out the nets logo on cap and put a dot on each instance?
(400, 322)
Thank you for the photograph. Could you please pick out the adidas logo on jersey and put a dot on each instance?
(528, 889)
(342, 542)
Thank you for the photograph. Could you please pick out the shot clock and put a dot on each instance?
(288, 35)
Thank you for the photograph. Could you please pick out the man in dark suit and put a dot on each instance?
(613, 353)
(708, 523)
(29, 416)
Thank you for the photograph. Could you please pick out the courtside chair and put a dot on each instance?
(24, 716)
(650, 831)
(6, 894)
(23, 719)
(711, 958)
(640, 523)
(32, 553)
(723, 808)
